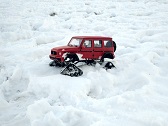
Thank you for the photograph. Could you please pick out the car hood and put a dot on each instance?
(65, 48)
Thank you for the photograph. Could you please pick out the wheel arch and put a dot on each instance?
(107, 55)
(72, 56)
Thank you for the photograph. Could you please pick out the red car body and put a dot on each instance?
(88, 47)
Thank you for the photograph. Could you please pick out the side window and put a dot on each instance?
(108, 43)
(97, 43)
(87, 44)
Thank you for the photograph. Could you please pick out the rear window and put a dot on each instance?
(108, 43)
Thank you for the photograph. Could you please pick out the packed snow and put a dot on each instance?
(133, 94)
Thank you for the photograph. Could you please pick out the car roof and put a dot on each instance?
(91, 37)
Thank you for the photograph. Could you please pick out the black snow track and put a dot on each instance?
(72, 70)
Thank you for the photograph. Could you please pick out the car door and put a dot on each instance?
(87, 49)
(97, 49)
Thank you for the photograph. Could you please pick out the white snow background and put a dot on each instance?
(133, 94)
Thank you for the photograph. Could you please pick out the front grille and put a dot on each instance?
(53, 53)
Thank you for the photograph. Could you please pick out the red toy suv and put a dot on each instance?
(83, 49)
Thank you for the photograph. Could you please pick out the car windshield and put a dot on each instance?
(75, 42)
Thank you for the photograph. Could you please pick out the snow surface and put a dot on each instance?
(133, 94)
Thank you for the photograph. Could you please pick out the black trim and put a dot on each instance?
(98, 51)
(86, 51)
